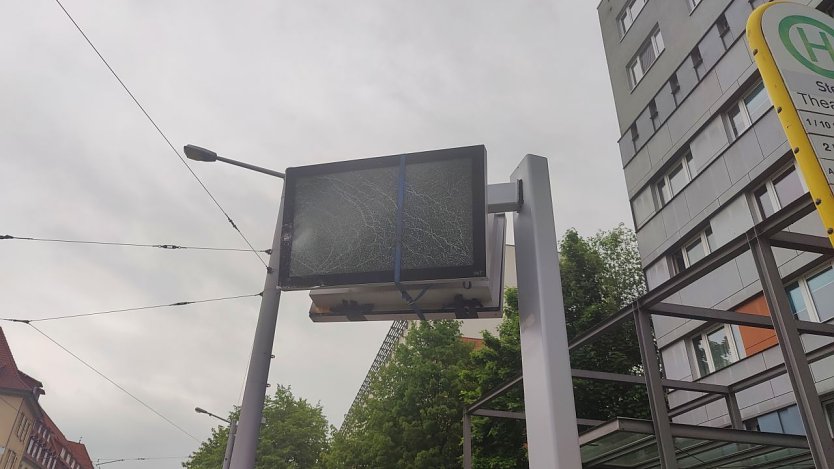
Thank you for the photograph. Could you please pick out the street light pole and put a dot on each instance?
(251, 410)
(230, 441)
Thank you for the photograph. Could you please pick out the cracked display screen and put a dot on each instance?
(340, 219)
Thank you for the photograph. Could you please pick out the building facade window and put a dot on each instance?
(675, 87)
(697, 62)
(747, 110)
(645, 58)
(716, 348)
(643, 206)
(629, 14)
(812, 297)
(674, 180)
(723, 27)
(694, 250)
(785, 421)
(777, 192)
(653, 114)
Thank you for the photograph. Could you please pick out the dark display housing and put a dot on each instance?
(361, 222)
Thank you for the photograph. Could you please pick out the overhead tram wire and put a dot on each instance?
(124, 310)
(103, 461)
(138, 245)
(121, 388)
(161, 133)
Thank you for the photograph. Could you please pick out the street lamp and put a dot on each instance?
(254, 394)
(204, 411)
(193, 152)
(230, 441)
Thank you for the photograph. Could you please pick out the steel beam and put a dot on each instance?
(467, 441)
(734, 411)
(501, 414)
(796, 363)
(654, 388)
(713, 315)
(695, 386)
(739, 319)
(802, 242)
(496, 392)
(589, 422)
(696, 403)
(591, 334)
(786, 462)
(733, 458)
(728, 435)
(605, 376)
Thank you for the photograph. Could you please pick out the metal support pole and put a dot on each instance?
(251, 410)
(230, 443)
(552, 436)
(657, 397)
(734, 411)
(796, 363)
(467, 441)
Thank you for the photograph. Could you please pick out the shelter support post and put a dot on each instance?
(467, 441)
(654, 388)
(552, 436)
(796, 363)
(734, 411)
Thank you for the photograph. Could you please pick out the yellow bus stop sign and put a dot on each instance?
(794, 49)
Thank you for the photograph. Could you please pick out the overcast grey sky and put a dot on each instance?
(276, 83)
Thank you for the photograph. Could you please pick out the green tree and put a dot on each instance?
(411, 417)
(498, 443)
(294, 436)
(600, 274)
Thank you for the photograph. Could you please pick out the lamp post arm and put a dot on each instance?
(277, 174)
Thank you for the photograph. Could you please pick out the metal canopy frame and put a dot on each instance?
(760, 241)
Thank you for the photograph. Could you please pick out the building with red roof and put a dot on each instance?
(29, 439)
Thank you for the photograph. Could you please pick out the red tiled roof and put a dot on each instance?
(79, 452)
(9, 374)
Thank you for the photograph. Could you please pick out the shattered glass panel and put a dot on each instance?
(438, 218)
(345, 222)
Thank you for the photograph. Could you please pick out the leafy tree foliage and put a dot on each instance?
(498, 443)
(294, 436)
(600, 274)
(412, 415)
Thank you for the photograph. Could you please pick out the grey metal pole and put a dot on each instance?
(251, 410)
(467, 441)
(734, 411)
(259, 169)
(796, 363)
(552, 436)
(654, 388)
(230, 443)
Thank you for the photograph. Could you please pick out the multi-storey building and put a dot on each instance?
(29, 439)
(705, 159)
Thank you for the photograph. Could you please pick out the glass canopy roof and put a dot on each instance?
(630, 444)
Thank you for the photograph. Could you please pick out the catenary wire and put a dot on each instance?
(103, 461)
(161, 133)
(137, 245)
(121, 388)
(124, 310)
